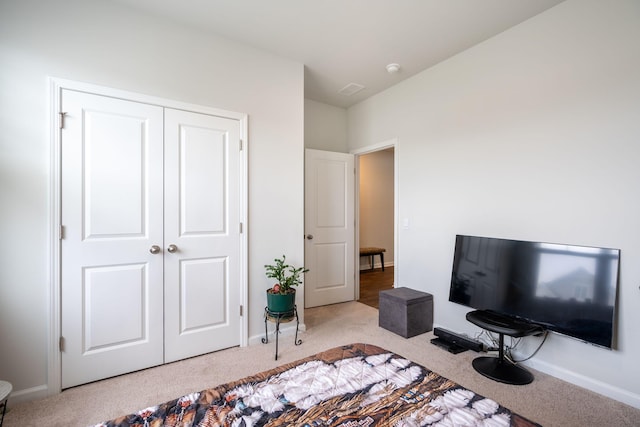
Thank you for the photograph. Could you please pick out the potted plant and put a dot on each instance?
(281, 296)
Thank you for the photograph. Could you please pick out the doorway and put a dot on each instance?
(329, 185)
(376, 212)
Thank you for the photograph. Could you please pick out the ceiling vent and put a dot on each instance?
(350, 89)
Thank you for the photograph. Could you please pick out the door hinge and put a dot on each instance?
(61, 344)
(240, 145)
(240, 228)
(241, 311)
(61, 232)
(61, 119)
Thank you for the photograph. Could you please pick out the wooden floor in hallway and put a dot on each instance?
(372, 282)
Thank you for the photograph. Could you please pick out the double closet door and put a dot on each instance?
(150, 245)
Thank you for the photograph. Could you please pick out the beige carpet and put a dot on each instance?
(548, 401)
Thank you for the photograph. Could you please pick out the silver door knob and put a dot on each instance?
(172, 248)
(309, 236)
(155, 249)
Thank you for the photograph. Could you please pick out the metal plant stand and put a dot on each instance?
(278, 317)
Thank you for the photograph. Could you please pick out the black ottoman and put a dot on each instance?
(406, 312)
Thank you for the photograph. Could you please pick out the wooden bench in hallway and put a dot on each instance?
(371, 252)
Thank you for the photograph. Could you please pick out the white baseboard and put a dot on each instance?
(580, 380)
(28, 394)
(285, 331)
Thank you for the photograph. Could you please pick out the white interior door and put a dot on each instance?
(151, 250)
(111, 210)
(202, 221)
(330, 227)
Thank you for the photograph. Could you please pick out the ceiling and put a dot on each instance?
(351, 41)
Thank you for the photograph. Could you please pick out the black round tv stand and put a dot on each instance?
(499, 368)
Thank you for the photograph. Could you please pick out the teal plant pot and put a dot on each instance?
(281, 303)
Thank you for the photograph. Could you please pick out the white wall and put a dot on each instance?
(325, 127)
(376, 201)
(103, 43)
(533, 134)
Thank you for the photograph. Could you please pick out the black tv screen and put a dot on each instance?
(564, 288)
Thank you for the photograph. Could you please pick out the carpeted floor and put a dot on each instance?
(548, 401)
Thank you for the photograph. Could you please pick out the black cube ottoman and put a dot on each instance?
(405, 311)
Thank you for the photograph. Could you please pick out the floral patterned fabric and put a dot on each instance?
(349, 386)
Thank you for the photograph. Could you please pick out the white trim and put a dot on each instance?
(244, 238)
(29, 394)
(390, 143)
(53, 296)
(396, 210)
(145, 99)
(54, 365)
(56, 85)
(285, 332)
(356, 231)
(583, 381)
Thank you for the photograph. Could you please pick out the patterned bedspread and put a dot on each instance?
(349, 386)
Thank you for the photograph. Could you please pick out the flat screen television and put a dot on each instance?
(564, 288)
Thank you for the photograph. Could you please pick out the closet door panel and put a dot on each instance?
(202, 276)
(111, 210)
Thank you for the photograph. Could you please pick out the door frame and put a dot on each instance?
(390, 143)
(56, 85)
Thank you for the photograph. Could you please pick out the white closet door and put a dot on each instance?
(202, 222)
(151, 255)
(112, 202)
